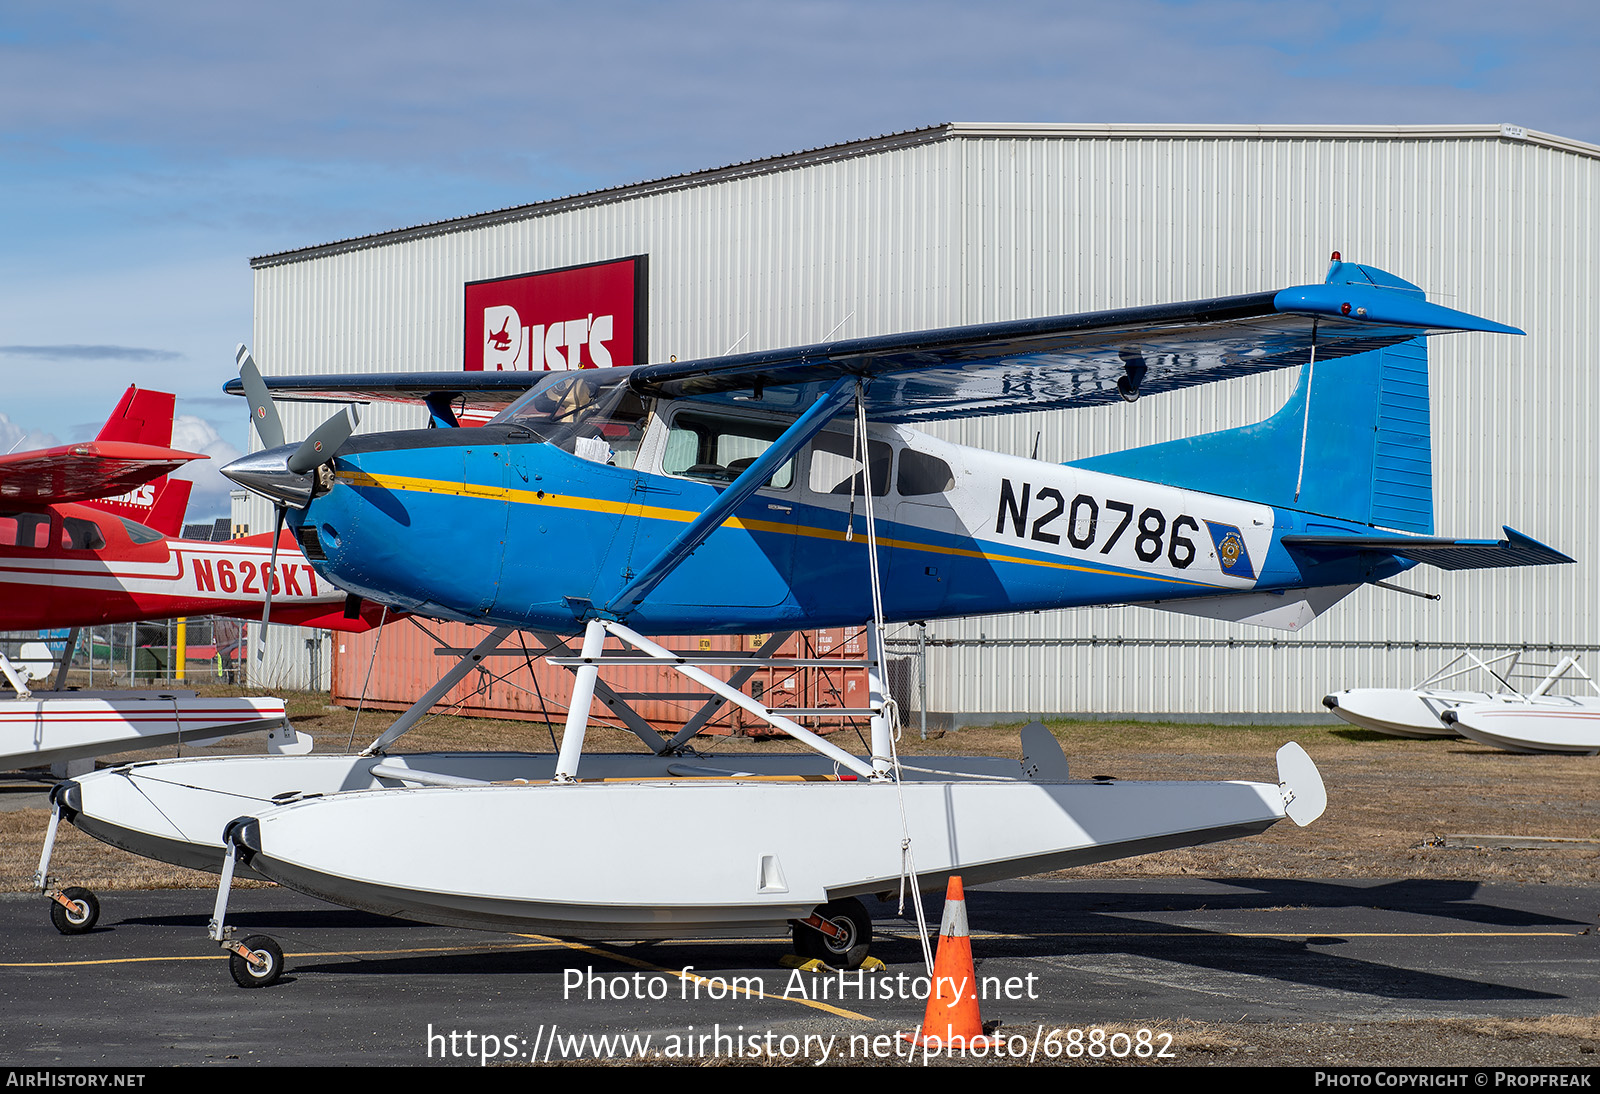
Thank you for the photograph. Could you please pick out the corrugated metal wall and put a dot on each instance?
(980, 223)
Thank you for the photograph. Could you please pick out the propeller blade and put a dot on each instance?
(263, 414)
(324, 441)
(272, 573)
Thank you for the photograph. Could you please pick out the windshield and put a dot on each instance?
(595, 419)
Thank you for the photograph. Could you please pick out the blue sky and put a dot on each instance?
(148, 150)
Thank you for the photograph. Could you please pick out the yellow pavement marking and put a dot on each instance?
(540, 942)
(583, 947)
(297, 953)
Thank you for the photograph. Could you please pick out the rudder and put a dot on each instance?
(1367, 454)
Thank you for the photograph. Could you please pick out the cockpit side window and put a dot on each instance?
(836, 465)
(597, 420)
(140, 533)
(712, 448)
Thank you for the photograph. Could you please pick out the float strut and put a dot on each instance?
(594, 643)
(217, 931)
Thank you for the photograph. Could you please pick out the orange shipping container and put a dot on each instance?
(390, 668)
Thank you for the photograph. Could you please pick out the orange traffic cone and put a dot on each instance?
(951, 1018)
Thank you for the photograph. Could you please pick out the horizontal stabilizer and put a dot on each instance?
(92, 469)
(1447, 554)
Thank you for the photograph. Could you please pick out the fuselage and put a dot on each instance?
(497, 524)
(71, 565)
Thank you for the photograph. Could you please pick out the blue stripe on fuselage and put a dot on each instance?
(510, 555)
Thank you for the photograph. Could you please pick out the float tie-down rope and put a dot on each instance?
(891, 710)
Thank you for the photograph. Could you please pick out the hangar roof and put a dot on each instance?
(928, 135)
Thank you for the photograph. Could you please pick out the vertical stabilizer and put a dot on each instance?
(1353, 441)
(145, 417)
(142, 416)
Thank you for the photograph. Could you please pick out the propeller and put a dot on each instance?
(317, 449)
(324, 442)
(263, 412)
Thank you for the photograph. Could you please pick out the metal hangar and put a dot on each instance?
(967, 223)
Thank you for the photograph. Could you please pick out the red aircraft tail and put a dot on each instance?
(172, 502)
(144, 417)
(158, 504)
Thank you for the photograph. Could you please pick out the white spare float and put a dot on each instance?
(1569, 724)
(1427, 710)
(1400, 712)
(55, 727)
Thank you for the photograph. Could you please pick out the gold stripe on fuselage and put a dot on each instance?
(684, 516)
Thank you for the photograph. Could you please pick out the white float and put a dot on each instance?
(1421, 710)
(599, 858)
(174, 810)
(55, 727)
(1401, 712)
(1567, 724)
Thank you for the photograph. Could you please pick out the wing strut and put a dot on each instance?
(753, 478)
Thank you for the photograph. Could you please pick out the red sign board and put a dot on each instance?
(579, 317)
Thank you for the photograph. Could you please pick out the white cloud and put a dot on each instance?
(191, 433)
(14, 438)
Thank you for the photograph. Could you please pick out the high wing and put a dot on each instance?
(1093, 358)
(1002, 368)
(475, 395)
(130, 450)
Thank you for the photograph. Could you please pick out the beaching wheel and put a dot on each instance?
(247, 975)
(846, 950)
(80, 917)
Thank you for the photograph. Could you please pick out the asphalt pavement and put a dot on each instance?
(146, 987)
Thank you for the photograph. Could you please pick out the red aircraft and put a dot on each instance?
(88, 536)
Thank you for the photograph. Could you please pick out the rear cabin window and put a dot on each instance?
(31, 530)
(78, 534)
(836, 466)
(140, 533)
(921, 473)
(717, 449)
